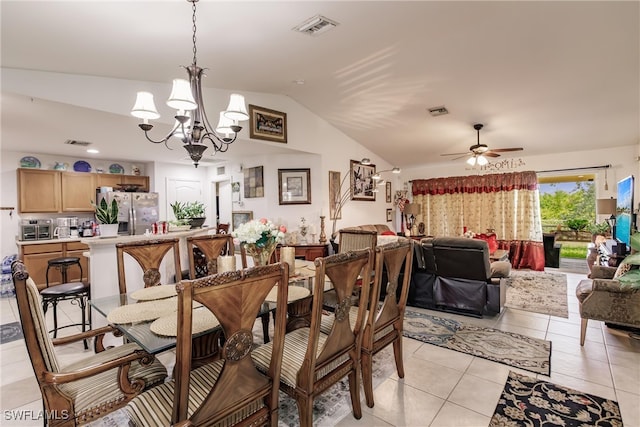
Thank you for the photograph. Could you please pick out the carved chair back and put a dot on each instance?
(149, 254)
(204, 252)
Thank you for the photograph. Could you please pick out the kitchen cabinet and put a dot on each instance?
(42, 191)
(39, 190)
(37, 256)
(78, 190)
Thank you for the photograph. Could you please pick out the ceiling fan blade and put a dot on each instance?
(454, 154)
(463, 155)
(504, 150)
(490, 154)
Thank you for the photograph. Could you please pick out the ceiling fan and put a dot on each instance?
(479, 152)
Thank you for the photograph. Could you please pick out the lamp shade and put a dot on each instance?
(606, 206)
(145, 108)
(224, 125)
(181, 97)
(482, 160)
(471, 161)
(411, 209)
(236, 109)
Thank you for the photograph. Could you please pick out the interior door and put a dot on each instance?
(182, 190)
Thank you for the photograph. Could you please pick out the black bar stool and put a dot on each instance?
(74, 291)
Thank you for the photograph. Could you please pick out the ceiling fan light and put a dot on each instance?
(471, 161)
(181, 97)
(482, 160)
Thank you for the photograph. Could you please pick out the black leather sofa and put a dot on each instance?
(455, 274)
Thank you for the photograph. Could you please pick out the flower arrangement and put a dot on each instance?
(260, 232)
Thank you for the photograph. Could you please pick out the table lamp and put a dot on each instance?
(411, 210)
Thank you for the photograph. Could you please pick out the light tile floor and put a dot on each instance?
(441, 387)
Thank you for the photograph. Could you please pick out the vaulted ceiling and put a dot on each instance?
(547, 76)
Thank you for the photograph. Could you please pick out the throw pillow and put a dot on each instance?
(622, 269)
(388, 233)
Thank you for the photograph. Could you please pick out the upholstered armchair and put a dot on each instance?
(603, 298)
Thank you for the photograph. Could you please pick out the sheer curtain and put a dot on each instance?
(507, 203)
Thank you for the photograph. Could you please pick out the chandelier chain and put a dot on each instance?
(194, 32)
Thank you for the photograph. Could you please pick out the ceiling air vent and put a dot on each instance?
(316, 25)
(76, 142)
(221, 170)
(438, 111)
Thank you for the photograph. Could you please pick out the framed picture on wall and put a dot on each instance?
(362, 182)
(389, 215)
(240, 217)
(254, 182)
(294, 186)
(334, 195)
(270, 125)
(387, 187)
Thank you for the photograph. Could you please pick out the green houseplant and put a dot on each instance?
(188, 213)
(107, 216)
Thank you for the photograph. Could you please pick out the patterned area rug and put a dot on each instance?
(539, 292)
(10, 332)
(526, 401)
(508, 348)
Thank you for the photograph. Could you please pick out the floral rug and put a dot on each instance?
(538, 291)
(508, 348)
(526, 401)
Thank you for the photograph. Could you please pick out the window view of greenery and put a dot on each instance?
(567, 208)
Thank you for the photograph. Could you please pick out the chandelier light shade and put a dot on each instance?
(378, 177)
(192, 125)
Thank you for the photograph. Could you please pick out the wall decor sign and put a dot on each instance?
(362, 183)
(387, 186)
(240, 217)
(253, 182)
(267, 124)
(294, 186)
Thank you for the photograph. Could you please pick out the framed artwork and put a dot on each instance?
(267, 124)
(387, 186)
(253, 182)
(334, 195)
(389, 215)
(362, 183)
(294, 186)
(240, 217)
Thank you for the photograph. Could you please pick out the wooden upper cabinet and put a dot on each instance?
(142, 181)
(39, 190)
(78, 190)
(108, 180)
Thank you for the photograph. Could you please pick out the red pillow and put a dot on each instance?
(388, 233)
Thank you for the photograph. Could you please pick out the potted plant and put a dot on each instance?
(107, 216)
(195, 212)
(182, 222)
(598, 229)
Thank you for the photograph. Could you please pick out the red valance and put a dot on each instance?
(491, 183)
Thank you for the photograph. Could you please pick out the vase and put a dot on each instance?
(261, 254)
(108, 230)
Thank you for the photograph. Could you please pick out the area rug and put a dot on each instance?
(10, 332)
(538, 291)
(508, 348)
(526, 401)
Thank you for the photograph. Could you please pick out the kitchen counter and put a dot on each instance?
(97, 241)
(45, 241)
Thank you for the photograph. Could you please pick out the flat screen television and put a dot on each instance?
(624, 211)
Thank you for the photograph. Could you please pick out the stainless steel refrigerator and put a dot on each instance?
(137, 211)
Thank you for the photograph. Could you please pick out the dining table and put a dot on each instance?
(129, 314)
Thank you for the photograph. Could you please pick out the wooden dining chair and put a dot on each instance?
(384, 323)
(149, 254)
(355, 240)
(314, 361)
(86, 389)
(265, 316)
(204, 252)
(222, 229)
(231, 390)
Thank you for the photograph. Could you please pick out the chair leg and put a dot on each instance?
(265, 327)
(583, 330)
(54, 303)
(397, 353)
(82, 302)
(354, 389)
(367, 376)
(305, 410)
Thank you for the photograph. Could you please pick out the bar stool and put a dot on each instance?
(74, 291)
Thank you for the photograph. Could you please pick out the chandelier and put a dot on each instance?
(192, 125)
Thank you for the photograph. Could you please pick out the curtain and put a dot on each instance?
(507, 204)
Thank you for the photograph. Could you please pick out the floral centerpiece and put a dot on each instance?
(259, 238)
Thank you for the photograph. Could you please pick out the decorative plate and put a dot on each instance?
(81, 166)
(29, 162)
(116, 168)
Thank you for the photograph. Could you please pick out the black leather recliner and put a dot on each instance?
(455, 274)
